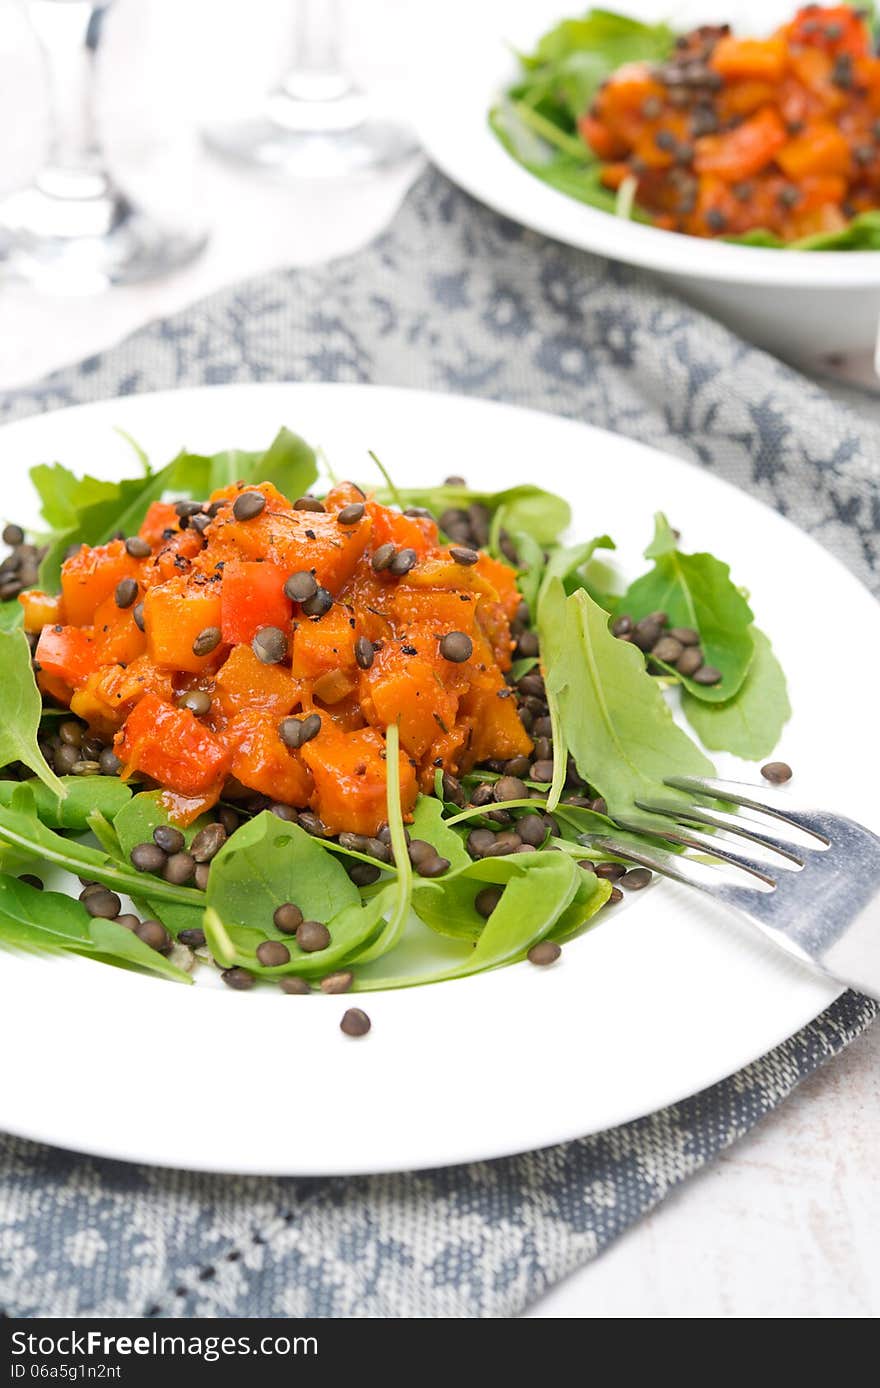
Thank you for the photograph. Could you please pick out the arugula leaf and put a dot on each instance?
(351, 929)
(94, 511)
(587, 901)
(578, 176)
(22, 831)
(11, 614)
(748, 725)
(429, 824)
(539, 889)
(531, 566)
(696, 591)
(289, 463)
(269, 861)
(50, 922)
(82, 795)
(20, 711)
(862, 233)
(614, 719)
(565, 563)
(527, 508)
(134, 823)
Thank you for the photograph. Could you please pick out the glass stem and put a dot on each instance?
(316, 93)
(68, 31)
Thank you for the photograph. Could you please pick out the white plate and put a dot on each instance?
(732, 280)
(666, 995)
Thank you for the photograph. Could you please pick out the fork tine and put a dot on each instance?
(692, 813)
(741, 793)
(679, 868)
(706, 844)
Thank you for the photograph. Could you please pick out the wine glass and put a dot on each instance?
(316, 123)
(74, 230)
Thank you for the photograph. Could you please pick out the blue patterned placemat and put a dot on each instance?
(450, 298)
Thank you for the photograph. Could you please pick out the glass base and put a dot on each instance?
(72, 238)
(314, 141)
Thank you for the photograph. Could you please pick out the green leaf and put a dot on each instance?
(696, 591)
(540, 887)
(569, 560)
(11, 614)
(351, 930)
(614, 719)
(289, 463)
(578, 176)
(50, 922)
(82, 796)
(531, 566)
(134, 824)
(428, 824)
(267, 862)
(20, 710)
(22, 831)
(588, 899)
(749, 725)
(527, 508)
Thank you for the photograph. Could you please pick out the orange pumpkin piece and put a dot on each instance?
(407, 689)
(118, 637)
(40, 609)
(321, 644)
(262, 762)
(120, 686)
(293, 540)
(161, 516)
(90, 576)
(820, 149)
(349, 772)
(762, 59)
(742, 152)
(244, 682)
(252, 597)
(170, 745)
(175, 613)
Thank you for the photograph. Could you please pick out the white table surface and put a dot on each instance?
(785, 1224)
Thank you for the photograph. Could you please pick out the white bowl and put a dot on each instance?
(803, 305)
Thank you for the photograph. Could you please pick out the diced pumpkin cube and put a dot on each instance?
(243, 682)
(161, 516)
(349, 772)
(118, 637)
(408, 690)
(175, 613)
(40, 609)
(321, 644)
(90, 576)
(404, 532)
(120, 686)
(170, 745)
(252, 597)
(261, 761)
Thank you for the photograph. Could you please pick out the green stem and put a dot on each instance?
(550, 132)
(131, 883)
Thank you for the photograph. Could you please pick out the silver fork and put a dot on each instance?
(820, 903)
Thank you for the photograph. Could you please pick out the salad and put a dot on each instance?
(339, 735)
(771, 141)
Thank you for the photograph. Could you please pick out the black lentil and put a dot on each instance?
(126, 592)
(364, 652)
(350, 515)
(320, 602)
(301, 586)
(248, 505)
(636, 878)
(312, 936)
(208, 842)
(777, 772)
(355, 1022)
(137, 613)
(102, 903)
(239, 979)
(464, 556)
(456, 647)
(138, 548)
(510, 788)
(287, 918)
(270, 645)
(707, 674)
(403, 561)
(179, 868)
(486, 900)
(338, 982)
(207, 641)
(194, 939)
(272, 954)
(382, 557)
(544, 952)
(147, 857)
(294, 732)
(294, 986)
(308, 503)
(197, 701)
(169, 839)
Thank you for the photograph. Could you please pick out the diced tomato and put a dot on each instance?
(171, 746)
(67, 653)
(252, 596)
